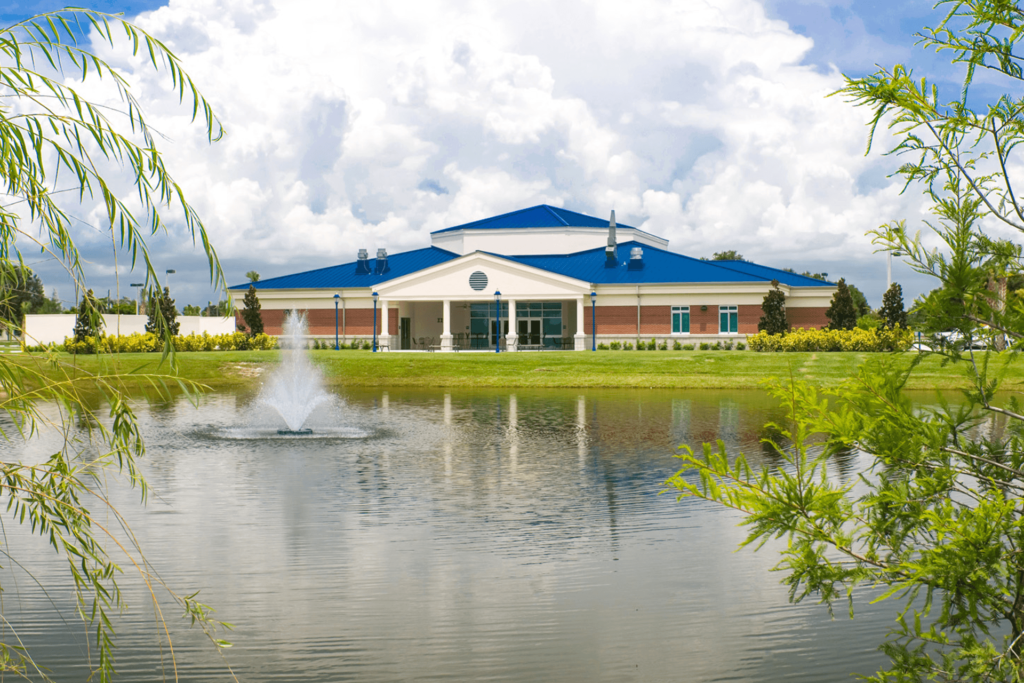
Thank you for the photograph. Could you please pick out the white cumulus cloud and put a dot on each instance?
(364, 125)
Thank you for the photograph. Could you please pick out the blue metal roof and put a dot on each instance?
(659, 266)
(338, 277)
(769, 273)
(542, 216)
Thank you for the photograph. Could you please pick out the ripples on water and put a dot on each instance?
(467, 535)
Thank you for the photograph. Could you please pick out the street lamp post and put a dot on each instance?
(336, 346)
(375, 296)
(497, 330)
(138, 295)
(889, 266)
(593, 320)
(169, 273)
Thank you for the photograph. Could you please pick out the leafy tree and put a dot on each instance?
(774, 308)
(860, 302)
(253, 276)
(21, 292)
(892, 312)
(939, 523)
(842, 314)
(124, 306)
(251, 312)
(162, 314)
(869, 322)
(51, 305)
(89, 322)
(730, 255)
(191, 310)
(54, 139)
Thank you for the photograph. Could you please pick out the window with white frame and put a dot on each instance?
(680, 320)
(728, 319)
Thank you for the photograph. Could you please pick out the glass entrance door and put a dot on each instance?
(494, 329)
(405, 332)
(540, 323)
(529, 332)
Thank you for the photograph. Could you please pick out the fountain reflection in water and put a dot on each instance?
(296, 388)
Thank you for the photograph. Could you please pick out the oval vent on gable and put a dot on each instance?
(478, 280)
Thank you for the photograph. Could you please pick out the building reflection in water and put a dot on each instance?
(476, 535)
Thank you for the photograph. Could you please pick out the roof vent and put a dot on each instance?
(363, 263)
(636, 258)
(382, 261)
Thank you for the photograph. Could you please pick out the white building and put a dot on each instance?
(567, 280)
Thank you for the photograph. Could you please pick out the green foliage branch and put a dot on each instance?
(937, 521)
(939, 527)
(54, 147)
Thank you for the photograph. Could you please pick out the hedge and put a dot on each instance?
(834, 340)
(149, 342)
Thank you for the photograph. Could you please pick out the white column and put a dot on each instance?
(582, 443)
(513, 433)
(447, 429)
(512, 338)
(384, 336)
(446, 329)
(581, 337)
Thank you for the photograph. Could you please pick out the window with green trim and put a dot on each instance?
(728, 319)
(680, 320)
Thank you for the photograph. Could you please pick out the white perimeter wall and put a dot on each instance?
(50, 329)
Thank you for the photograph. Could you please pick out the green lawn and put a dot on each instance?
(653, 369)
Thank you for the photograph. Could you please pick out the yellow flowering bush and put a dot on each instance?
(871, 340)
(149, 342)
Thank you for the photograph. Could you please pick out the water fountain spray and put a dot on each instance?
(295, 388)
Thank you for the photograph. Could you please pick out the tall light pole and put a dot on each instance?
(167, 280)
(497, 329)
(336, 298)
(889, 267)
(138, 295)
(593, 320)
(375, 296)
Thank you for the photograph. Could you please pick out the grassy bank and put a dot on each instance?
(652, 369)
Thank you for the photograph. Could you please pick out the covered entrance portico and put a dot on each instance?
(452, 306)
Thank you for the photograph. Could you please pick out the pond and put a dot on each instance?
(451, 535)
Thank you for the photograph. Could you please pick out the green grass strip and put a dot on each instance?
(568, 369)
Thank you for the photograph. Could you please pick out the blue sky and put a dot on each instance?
(383, 121)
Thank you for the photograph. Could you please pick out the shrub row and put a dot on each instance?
(677, 345)
(356, 345)
(834, 340)
(149, 342)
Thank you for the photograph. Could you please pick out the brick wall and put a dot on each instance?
(357, 322)
(655, 320)
(703, 322)
(807, 318)
(273, 321)
(613, 320)
(750, 315)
